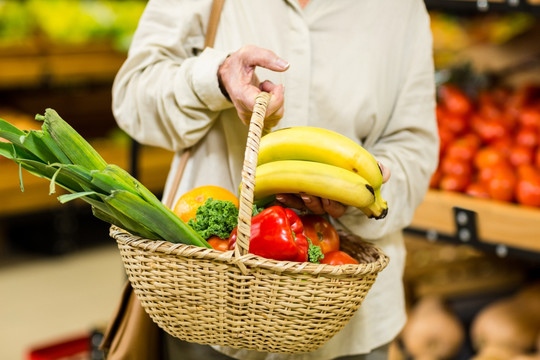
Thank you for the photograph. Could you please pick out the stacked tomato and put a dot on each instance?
(489, 145)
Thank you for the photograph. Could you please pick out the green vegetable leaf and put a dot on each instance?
(68, 197)
(315, 254)
(215, 217)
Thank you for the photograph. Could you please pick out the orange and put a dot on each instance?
(187, 205)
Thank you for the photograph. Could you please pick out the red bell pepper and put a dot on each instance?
(276, 233)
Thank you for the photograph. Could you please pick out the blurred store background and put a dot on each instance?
(474, 243)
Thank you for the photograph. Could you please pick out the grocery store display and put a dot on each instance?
(69, 22)
(432, 330)
(489, 145)
(454, 34)
(508, 327)
(323, 163)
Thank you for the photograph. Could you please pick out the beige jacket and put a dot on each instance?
(359, 67)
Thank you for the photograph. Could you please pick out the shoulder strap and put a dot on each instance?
(215, 14)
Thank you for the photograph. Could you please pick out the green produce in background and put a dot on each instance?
(70, 22)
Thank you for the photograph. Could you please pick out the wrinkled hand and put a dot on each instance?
(238, 80)
(320, 206)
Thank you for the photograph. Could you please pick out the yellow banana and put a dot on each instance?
(378, 209)
(315, 178)
(320, 145)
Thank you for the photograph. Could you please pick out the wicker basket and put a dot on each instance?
(241, 300)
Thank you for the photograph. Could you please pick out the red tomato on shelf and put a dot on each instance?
(464, 147)
(528, 186)
(502, 185)
(456, 166)
(338, 258)
(530, 116)
(527, 136)
(478, 190)
(454, 182)
(521, 155)
(454, 99)
(489, 156)
(489, 130)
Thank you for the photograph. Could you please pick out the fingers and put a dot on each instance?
(255, 56)
(291, 201)
(313, 204)
(333, 208)
(239, 82)
(275, 109)
(384, 171)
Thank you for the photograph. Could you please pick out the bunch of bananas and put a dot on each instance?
(319, 162)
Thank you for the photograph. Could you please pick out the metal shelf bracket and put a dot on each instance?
(466, 229)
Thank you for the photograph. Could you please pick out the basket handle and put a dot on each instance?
(256, 131)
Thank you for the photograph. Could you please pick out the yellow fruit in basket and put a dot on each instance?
(187, 205)
(323, 180)
(320, 145)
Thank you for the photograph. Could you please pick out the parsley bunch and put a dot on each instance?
(215, 217)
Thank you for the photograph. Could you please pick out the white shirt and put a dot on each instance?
(359, 67)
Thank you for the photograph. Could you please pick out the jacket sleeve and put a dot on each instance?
(166, 93)
(409, 143)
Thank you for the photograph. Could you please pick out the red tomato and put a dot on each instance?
(338, 258)
(455, 166)
(489, 156)
(484, 175)
(445, 138)
(453, 182)
(528, 187)
(435, 179)
(527, 136)
(464, 147)
(521, 155)
(490, 111)
(502, 185)
(527, 172)
(456, 123)
(537, 158)
(218, 243)
(454, 100)
(503, 145)
(530, 116)
(320, 232)
(477, 189)
(489, 130)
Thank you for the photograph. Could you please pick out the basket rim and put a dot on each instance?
(164, 247)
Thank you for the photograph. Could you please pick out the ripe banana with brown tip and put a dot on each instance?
(328, 147)
(315, 178)
(320, 145)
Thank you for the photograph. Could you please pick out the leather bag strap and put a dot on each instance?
(211, 30)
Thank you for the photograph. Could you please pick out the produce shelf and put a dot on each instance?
(475, 6)
(482, 221)
(153, 169)
(33, 66)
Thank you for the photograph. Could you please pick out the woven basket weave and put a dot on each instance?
(241, 300)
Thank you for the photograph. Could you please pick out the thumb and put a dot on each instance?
(265, 58)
